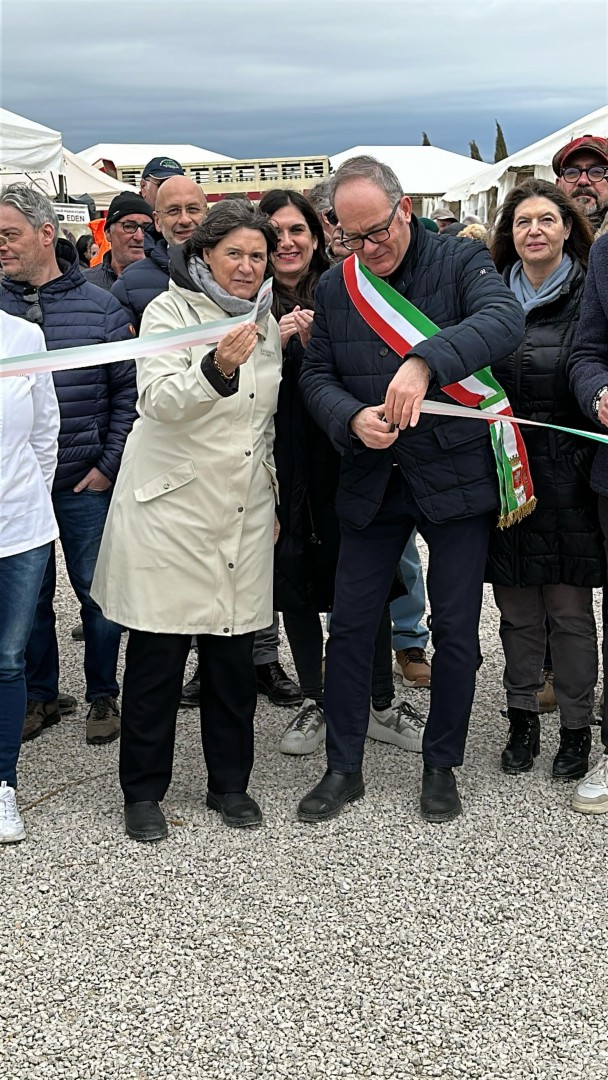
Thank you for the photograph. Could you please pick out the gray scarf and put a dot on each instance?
(528, 296)
(205, 282)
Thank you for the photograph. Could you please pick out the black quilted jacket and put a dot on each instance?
(96, 404)
(560, 542)
(448, 463)
(145, 279)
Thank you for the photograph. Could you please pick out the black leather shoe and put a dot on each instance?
(439, 798)
(329, 796)
(191, 692)
(78, 632)
(572, 759)
(145, 821)
(237, 808)
(523, 743)
(276, 684)
(67, 703)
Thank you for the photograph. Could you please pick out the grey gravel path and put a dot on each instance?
(376, 946)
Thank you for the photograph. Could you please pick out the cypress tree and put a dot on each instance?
(425, 139)
(475, 150)
(500, 149)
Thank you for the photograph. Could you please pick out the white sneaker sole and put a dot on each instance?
(379, 733)
(14, 838)
(590, 806)
(300, 747)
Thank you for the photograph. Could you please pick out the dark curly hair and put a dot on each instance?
(502, 247)
(285, 299)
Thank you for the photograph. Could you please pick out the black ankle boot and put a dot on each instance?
(572, 759)
(523, 744)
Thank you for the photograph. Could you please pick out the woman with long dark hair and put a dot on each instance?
(307, 472)
(546, 567)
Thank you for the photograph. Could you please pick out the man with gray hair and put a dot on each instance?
(43, 283)
(402, 470)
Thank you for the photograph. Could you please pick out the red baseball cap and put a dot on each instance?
(595, 143)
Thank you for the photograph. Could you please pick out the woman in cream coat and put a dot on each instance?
(188, 544)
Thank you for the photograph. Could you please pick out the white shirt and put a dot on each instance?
(29, 426)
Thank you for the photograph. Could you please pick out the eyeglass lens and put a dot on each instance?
(595, 173)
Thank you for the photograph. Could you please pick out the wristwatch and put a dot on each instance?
(595, 404)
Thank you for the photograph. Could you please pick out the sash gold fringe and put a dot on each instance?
(505, 520)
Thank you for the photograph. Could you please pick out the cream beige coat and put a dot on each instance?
(188, 542)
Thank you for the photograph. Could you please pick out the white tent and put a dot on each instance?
(481, 191)
(80, 179)
(136, 155)
(25, 145)
(424, 171)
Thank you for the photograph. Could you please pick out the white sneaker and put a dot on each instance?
(11, 825)
(400, 724)
(591, 795)
(305, 731)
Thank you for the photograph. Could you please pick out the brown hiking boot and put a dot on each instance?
(39, 715)
(413, 667)
(547, 701)
(103, 721)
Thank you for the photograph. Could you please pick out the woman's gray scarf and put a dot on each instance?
(528, 296)
(203, 280)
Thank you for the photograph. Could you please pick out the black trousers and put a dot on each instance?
(154, 673)
(603, 516)
(367, 564)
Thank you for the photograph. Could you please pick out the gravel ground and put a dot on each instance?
(375, 946)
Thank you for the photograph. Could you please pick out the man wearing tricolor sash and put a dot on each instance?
(408, 316)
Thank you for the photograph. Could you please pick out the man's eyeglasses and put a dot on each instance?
(133, 226)
(331, 216)
(173, 212)
(355, 243)
(34, 311)
(594, 173)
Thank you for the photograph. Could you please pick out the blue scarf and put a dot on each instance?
(528, 296)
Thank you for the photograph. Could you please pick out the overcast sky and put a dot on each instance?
(265, 77)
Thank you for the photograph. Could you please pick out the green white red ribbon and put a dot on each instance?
(185, 337)
(402, 326)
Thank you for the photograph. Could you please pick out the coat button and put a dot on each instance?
(226, 629)
(231, 566)
(247, 453)
(252, 395)
(383, 351)
(240, 509)
(166, 487)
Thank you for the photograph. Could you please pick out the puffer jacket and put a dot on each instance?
(96, 404)
(102, 274)
(561, 541)
(448, 462)
(144, 280)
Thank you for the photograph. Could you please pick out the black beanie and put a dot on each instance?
(126, 203)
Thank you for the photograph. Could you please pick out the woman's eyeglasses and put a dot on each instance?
(34, 310)
(595, 174)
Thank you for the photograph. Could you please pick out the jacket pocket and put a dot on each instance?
(461, 433)
(272, 473)
(166, 482)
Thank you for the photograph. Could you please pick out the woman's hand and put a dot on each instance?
(287, 327)
(236, 347)
(277, 528)
(304, 319)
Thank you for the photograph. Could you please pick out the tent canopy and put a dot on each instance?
(80, 179)
(422, 170)
(25, 145)
(136, 155)
(538, 156)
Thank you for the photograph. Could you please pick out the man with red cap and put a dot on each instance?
(581, 168)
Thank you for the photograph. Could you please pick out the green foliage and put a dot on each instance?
(500, 149)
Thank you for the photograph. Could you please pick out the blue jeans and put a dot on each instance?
(20, 579)
(407, 612)
(81, 519)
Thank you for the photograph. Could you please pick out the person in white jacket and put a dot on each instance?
(29, 426)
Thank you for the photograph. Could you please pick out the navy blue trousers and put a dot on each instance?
(366, 567)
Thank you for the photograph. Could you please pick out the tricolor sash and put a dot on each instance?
(402, 326)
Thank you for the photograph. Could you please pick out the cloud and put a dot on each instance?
(262, 77)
